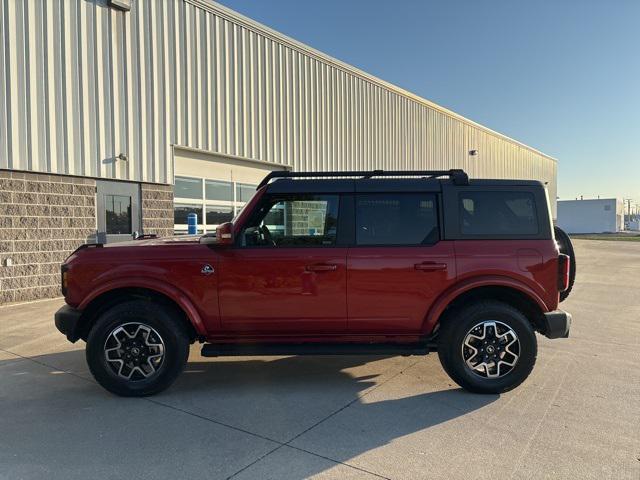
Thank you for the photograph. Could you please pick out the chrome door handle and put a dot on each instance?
(430, 266)
(321, 267)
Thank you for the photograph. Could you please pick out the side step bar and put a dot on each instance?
(249, 349)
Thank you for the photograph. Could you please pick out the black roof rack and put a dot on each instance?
(458, 176)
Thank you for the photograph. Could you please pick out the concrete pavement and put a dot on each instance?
(577, 416)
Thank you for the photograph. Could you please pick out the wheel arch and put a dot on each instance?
(512, 293)
(107, 298)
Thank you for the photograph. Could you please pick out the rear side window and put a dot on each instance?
(396, 219)
(501, 213)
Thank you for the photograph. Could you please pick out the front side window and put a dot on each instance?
(396, 219)
(501, 213)
(300, 220)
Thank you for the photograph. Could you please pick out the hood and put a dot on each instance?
(179, 239)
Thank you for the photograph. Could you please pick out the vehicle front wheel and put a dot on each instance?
(137, 348)
(488, 347)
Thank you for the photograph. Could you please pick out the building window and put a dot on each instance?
(244, 192)
(118, 214)
(217, 214)
(188, 187)
(214, 201)
(217, 190)
(182, 211)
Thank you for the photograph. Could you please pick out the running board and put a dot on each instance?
(266, 349)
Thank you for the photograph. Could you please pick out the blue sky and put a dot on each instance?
(560, 75)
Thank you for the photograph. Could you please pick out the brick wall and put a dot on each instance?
(43, 218)
(157, 209)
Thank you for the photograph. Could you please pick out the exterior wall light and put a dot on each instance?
(124, 5)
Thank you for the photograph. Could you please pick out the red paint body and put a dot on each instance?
(346, 294)
(309, 294)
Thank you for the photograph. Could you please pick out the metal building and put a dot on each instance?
(597, 215)
(105, 105)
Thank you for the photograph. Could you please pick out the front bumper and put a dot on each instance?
(556, 324)
(67, 319)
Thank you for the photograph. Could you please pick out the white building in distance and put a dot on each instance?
(602, 215)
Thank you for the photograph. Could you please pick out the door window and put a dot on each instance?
(117, 214)
(396, 219)
(301, 220)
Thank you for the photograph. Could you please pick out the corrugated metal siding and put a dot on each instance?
(83, 82)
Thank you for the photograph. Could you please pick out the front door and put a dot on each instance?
(286, 273)
(398, 265)
(118, 209)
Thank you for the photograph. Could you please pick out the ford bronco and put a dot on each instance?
(325, 263)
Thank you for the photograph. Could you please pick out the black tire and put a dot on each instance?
(566, 247)
(460, 322)
(166, 323)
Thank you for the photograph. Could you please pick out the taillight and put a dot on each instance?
(64, 280)
(564, 265)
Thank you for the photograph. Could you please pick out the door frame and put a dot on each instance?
(128, 189)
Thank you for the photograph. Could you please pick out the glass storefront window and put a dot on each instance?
(188, 187)
(180, 212)
(244, 192)
(218, 214)
(218, 190)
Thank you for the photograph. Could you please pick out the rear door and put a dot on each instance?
(287, 273)
(398, 265)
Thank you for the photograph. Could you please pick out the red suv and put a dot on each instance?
(333, 263)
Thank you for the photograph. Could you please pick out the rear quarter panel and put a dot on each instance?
(529, 266)
(533, 263)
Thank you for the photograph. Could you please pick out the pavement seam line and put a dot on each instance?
(288, 443)
(156, 402)
(207, 419)
(541, 421)
(358, 397)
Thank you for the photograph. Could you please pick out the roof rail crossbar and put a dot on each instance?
(458, 176)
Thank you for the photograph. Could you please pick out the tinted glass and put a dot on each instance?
(396, 219)
(301, 220)
(218, 190)
(118, 214)
(217, 215)
(188, 187)
(244, 192)
(180, 213)
(498, 213)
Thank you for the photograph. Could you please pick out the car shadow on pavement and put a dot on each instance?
(325, 407)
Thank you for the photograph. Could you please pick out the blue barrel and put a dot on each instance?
(192, 223)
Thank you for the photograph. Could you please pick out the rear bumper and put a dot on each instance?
(556, 324)
(67, 319)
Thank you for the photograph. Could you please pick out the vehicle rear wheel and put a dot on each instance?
(137, 348)
(566, 247)
(488, 347)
